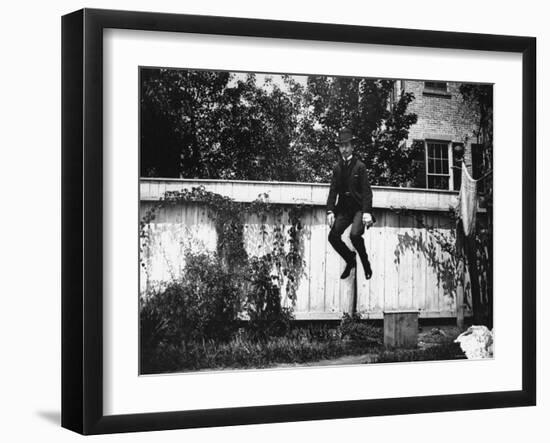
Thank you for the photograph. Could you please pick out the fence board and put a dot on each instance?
(432, 279)
(317, 259)
(303, 300)
(391, 271)
(419, 282)
(312, 193)
(405, 263)
(145, 191)
(333, 269)
(447, 298)
(363, 285)
(173, 187)
(377, 258)
(346, 285)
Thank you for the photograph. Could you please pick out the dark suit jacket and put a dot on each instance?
(359, 186)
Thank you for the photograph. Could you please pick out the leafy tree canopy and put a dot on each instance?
(204, 124)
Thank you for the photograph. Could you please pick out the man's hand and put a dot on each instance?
(330, 219)
(367, 220)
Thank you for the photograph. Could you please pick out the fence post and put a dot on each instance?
(459, 251)
(460, 296)
(354, 301)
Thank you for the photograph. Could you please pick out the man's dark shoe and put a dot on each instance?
(352, 263)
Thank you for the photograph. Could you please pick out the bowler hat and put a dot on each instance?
(345, 135)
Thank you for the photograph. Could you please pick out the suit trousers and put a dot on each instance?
(342, 221)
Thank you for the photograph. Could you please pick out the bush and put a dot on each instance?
(204, 304)
(267, 317)
(355, 329)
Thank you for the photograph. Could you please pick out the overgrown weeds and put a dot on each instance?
(245, 351)
(197, 323)
(354, 329)
(442, 351)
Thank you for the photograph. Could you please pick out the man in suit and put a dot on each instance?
(350, 184)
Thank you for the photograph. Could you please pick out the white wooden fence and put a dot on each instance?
(411, 269)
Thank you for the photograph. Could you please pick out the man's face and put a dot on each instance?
(346, 149)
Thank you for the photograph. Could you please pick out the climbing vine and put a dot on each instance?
(452, 244)
(431, 243)
(228, 215)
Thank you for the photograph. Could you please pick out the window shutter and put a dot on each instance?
(458, 155)
(477, 166)
(419, 162)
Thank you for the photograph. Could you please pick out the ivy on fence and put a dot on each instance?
(431, 242)
(229, 215)
(449, 243)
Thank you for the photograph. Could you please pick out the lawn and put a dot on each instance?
(351, 342)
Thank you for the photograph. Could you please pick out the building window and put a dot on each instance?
(438, 172)
(440, 87)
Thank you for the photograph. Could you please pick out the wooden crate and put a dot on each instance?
(400, 328)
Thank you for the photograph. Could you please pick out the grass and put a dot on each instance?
(434, 344)
(445, 351)
(301, 345)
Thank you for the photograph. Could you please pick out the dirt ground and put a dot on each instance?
(341, 361)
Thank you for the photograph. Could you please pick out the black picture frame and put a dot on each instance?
(82, 215)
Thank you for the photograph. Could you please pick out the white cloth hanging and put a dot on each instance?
(467, 201)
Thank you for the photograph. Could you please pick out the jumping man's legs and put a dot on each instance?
(341, 223)
(356, 237)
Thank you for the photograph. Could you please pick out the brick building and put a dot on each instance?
(446, 128)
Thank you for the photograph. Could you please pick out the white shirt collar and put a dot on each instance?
(349, 158)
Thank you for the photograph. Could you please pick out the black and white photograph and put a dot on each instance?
(271, 222)
(296, 220)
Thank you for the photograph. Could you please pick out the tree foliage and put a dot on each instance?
(479, 99)
(378, 119)
(205, 124)
(479, 249)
